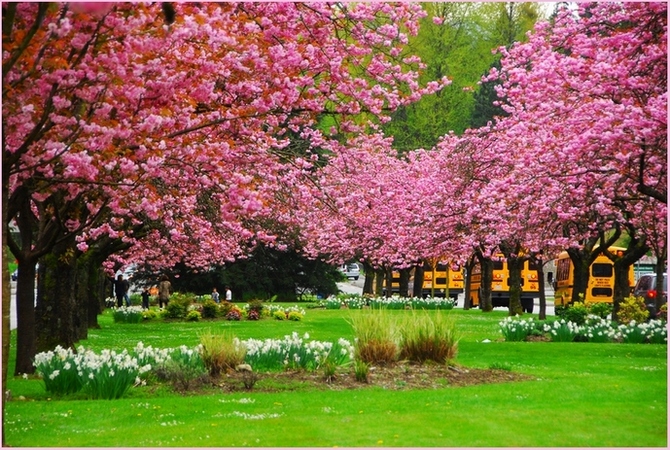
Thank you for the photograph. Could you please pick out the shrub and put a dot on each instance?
(575, 313)
(234, 314)
(149, 314)
(252, 314)
(193, 316)
(255, 305)
(376, 337)
(220, 352)
(294, 315)
(177, 307)
(210, 309)
(225, 307)
(428, 337)
(632, 309)
(600, 309)
(663, 313)
(279, 315)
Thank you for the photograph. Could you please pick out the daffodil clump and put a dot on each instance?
(516, 328)
(106, 375)
(295, 352)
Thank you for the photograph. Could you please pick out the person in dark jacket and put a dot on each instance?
(121, 288)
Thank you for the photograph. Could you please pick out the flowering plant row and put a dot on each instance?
(394, 302)
(109, 375)
(595, 329)
(295, 352)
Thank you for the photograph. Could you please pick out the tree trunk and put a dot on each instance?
(368, 286)
(97, 286)
(404, 283)
(487, 280)
(6, 303)
(417, 288)
(636, 249)
(57, 316)
(379, 281)
(25, 317)
(514, 266)
(540, 284)
(581, 271)
(467, 304)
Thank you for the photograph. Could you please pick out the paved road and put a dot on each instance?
(356, 287)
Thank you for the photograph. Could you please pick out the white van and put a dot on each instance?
(351, 270)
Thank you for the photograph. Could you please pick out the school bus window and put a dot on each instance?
(441, 267)
(497, 265)
(532, 265)
(602, 270)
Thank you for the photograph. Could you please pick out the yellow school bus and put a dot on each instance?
(530, 288)
(600, 287)
(435, 276)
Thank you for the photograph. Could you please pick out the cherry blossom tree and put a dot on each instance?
(166, 133)
(587, 104)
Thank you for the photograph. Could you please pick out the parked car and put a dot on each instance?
(646, 288)
(351, 270)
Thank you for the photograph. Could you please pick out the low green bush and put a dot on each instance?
(632, 309)
(177, 307)
(210, 309)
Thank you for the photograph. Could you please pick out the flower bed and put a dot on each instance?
(394, 302)
(109, 375)
(595, 329)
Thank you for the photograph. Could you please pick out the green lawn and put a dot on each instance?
(584, 395)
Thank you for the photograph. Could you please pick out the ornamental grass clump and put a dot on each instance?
(428, 337)
(516, 329)
(220, 352)
(562, 331)
(376, 336)
(128, 314)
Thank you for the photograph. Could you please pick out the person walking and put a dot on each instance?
(164, 291)
(215, 295)
(121, 288)
(145, 298)
(229, 295)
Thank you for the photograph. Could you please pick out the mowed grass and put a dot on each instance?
(583, 395)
